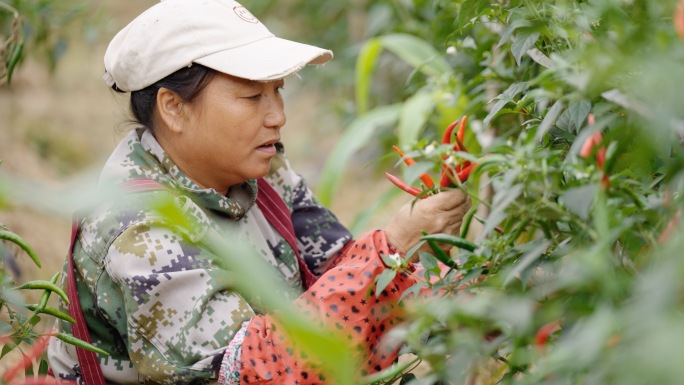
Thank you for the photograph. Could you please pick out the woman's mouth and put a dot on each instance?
(269, 149)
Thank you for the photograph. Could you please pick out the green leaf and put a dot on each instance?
(416, 52)
(574, 117)
(7, 348)
(549, 120)
(510, 28)
(43, 367)
(413, 290)
(383, 280)
(359, 132)
(527, 259)
(523, 42)
(327, 346)
(389, 261)
(578, 200)
(539, 57)
(428, 261)
(365, 66)
(601, 217)
(502, 199)
(415, 171)
(413, 117)
(503, 99)
(470, 11)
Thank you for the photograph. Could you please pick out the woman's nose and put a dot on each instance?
(275, 117)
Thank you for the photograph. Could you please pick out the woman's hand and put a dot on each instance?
(440, 213)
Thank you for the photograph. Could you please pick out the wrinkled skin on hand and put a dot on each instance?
(441, 213)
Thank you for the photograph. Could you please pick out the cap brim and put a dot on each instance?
(266, 59)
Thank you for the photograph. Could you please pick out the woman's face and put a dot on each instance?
(230, 131)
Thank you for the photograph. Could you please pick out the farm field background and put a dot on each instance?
(58, 128)
(574, 136)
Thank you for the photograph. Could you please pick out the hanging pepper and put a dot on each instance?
(410, 162)
(587, 148)
(415, 191)
(544, 332)
(461, 171)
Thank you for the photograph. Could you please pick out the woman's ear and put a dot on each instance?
(170, 109)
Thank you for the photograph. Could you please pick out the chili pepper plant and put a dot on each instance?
(23, 325)
(571, 270)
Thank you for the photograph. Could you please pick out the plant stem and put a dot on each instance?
(9, 9)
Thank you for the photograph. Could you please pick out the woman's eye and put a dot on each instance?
(254, 97)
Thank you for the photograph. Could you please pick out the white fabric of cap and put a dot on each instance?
(219, 34)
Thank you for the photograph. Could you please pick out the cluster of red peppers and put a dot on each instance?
(461, 171)
(587, 148)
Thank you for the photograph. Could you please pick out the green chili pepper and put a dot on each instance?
(440, 254)
(19, 241)
(44, 285)
(53, 312)
(69, 339)
(467, 219)
(519, 230)
(42, 303)
(14, 59)
(451, 240)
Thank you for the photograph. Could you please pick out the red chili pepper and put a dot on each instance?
(465, 173)
(462, 174)
(446, 139)
(402, 185)
(601, 157)
(545, 331)
(410, 162)
(461, 130)
(445, 181)
(447, 173)
(678, 19)
(36, 350)
(587, 147)
(459, 146)
(589, 144)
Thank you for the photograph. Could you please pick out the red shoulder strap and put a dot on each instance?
(276, 212)
(90, 367)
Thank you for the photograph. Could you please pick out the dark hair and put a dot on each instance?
(187, 82)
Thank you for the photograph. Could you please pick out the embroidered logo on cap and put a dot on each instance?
(245, 15)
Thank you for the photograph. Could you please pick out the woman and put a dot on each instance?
(205, 79)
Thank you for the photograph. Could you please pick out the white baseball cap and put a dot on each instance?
(219, 34)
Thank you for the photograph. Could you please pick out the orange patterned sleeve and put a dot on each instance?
(338, 300)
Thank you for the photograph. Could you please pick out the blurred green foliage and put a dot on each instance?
(569, 247)
(39, 26)
(576, 277)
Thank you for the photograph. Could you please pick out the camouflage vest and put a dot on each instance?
(151, 294)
